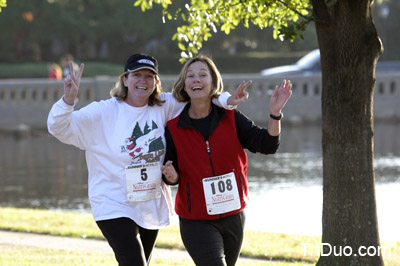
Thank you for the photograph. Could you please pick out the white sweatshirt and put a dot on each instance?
(114, 135)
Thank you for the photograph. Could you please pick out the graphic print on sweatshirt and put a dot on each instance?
(145, 145)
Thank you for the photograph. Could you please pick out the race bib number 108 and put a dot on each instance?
(221, 194)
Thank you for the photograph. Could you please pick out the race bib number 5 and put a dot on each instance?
(143, 181)
(221, 194)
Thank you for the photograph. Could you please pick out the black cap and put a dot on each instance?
(141, 61)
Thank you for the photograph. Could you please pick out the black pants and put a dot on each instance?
(131, 243)
(213, 242)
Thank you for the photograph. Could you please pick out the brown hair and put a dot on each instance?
(121, 91)
(178, 89)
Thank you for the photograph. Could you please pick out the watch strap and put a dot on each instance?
(276, 117)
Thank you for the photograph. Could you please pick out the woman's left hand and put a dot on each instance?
(240, 95)
(280, 97)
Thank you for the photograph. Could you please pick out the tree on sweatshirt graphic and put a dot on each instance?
(145, 144)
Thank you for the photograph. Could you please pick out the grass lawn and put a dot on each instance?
(277, 248)
(51, 257)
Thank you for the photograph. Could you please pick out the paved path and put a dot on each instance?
(69, 243)
(13, 239)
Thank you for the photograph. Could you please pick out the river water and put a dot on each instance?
(285, 188)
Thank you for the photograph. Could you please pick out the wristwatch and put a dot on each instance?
(276, 117)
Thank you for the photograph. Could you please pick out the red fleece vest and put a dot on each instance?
(227, 155)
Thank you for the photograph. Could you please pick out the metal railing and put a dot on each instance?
(28, 101)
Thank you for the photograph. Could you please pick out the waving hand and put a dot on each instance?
(71, 84)
(240, 95)
(280, 97)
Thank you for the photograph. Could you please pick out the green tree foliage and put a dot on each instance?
(3, 3)
(37, 30)
(288, 19)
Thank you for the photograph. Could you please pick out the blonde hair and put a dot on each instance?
(178, 89)
(121, 91)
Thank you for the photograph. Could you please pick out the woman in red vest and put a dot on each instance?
(206, 157)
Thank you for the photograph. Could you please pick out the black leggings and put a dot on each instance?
(131, 243)
(213, 242)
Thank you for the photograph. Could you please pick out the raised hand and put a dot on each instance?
(71, 84)
(240, 95)
(280, 97)
(169, 172)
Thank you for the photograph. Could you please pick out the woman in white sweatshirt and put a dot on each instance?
(123, 138)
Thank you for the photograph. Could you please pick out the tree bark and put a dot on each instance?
(350, 47)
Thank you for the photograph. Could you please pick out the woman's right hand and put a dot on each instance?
(71, 84)
(240, 95)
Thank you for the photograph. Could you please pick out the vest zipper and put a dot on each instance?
(209, 155)
(212, 166)
(189, 201)
(241, 188)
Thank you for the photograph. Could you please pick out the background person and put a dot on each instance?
(55, 71)
(123, 138)
(65, 61)
(206, 157)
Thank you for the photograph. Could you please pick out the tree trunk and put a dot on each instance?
(350, 47)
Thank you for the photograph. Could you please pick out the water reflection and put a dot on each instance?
(42, 172)
(39, 171)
